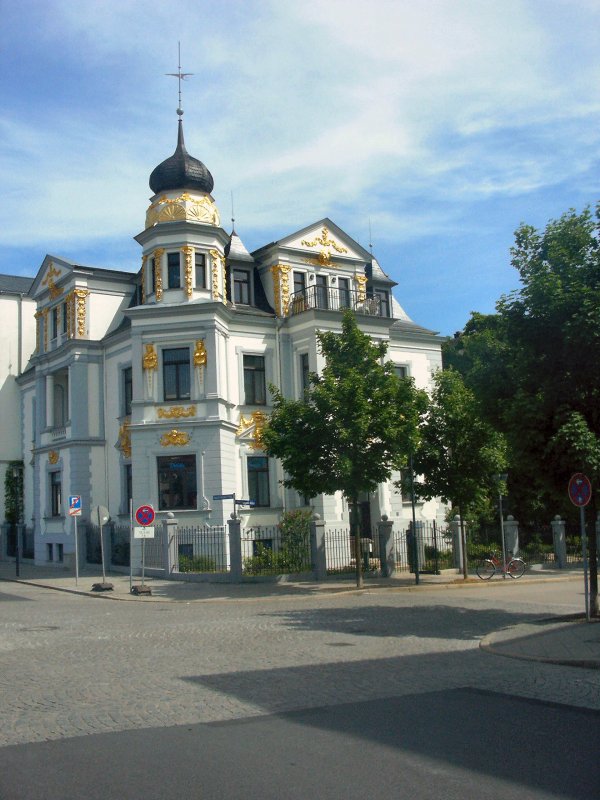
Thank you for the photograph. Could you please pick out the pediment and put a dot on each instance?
(325, 243)
(52, 278)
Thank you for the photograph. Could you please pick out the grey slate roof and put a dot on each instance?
(15, 284)
(236, 249)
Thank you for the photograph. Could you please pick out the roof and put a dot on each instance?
(15, 284)
(181, 171)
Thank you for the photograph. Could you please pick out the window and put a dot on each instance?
(200, 269)
(128, 485)
(255, 393)
(176, 482)
(49, 551)
(384, 301)
(127, 391)
(55, 495)
(173, 271)
(176, 373)
(401, 370)
(299, 281)
(152, 275)
(241, 286)
(60, 552)
(322, 291)
(258, 480)
(55, 322)
(344, 292)
(304, 370)
(60, 406)
(64, 318)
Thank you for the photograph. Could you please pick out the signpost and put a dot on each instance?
(144, 516)
(75, 509)
(580, 494)
(100, 517)
(250, 503)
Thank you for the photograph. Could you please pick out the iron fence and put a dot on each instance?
(119, 545)
(432, 548)
(153, 549)
(266, 552)
(202, 549)
(340, 552)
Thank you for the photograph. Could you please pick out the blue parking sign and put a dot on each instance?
(75, 505)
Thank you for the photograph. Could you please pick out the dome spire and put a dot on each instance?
(181, 170)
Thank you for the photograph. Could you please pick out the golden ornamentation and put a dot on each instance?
(184, 207)
(324, 257)
(125, 438)
(281, 288)
(217, 275)
(158, 293)
(55, 291)
(259, 420)
(80, 295)
(53, 456)
(200, 355)
(188, 257)
(143, 278)
(174, 438)
(177, 412)
(150, 358)
(361, 287)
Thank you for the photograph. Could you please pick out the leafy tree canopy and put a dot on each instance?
(355, 424)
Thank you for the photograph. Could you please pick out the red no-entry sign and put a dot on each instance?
(580, 490)
(145, 515)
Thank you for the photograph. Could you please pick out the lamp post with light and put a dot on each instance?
(501, 481)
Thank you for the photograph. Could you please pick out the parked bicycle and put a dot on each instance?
(486, 569)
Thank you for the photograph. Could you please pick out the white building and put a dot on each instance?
(153, 386)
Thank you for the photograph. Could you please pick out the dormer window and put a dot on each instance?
(241, 286)
(173, 271)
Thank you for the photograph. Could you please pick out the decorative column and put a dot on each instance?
(188, 260)
(150, 365)
(361, 287)
(49, 401)
(143, 278)
(200, 361)
(281, 288)
(80, 300)
(158, 292)
(218, 276)
(39, 317)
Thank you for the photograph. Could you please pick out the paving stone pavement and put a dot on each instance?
(71, 666)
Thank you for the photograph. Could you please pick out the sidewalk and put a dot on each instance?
(567, 641)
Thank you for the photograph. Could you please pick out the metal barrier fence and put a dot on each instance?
(340, 553)
(203, 549)
(266, 552)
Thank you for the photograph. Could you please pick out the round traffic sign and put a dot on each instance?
(145, 515)
(580, 489)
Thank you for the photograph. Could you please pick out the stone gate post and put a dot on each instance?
(170, 550)
(560, 542)
(235, 548)
(317, 548)
(457, 550)
(387, 552)
(511, 536)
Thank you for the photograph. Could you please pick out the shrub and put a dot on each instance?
(197, 564)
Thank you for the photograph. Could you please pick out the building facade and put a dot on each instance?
(152, 388)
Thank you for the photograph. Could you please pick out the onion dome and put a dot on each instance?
(181, 171)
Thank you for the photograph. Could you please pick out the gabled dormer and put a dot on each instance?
(77, 302)
(317, 267)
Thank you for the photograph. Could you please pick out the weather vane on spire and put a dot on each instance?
(181, 76)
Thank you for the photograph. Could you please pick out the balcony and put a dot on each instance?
(334, 299)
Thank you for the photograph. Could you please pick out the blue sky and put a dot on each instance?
(445, 123)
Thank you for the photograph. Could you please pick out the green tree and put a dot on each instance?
(535, 366)
(13, 492)
(460, 454)
(355, 424)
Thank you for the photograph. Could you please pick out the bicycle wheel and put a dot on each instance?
(485, 569)
(515, 567)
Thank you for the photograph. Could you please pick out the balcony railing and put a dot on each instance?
(334, 299)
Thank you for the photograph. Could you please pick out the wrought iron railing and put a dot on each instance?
(266, 552)
(202, 549)
(336, 299)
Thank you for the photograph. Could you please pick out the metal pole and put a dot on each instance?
(130, 544)
(502, 535)
(76, 553)
(102, 546)
(18, 553)
(585, 563)
(143, 557)
(414, 521)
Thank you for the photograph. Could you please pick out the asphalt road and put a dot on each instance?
(385, 694)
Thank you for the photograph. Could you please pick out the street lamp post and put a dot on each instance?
(501, 479)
